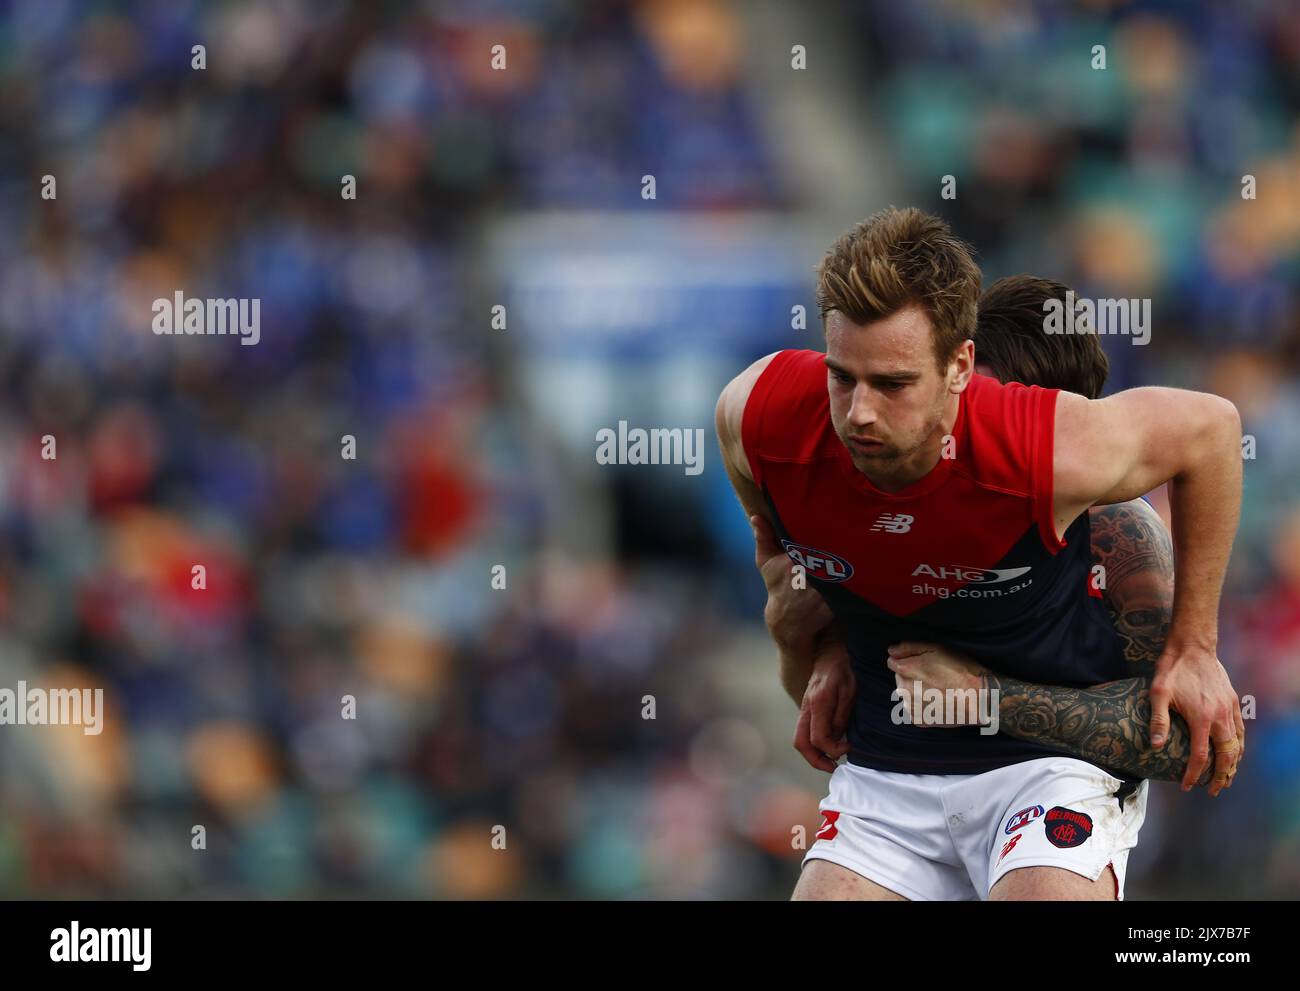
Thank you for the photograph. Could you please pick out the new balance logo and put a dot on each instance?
(829, 830)
(893, 523)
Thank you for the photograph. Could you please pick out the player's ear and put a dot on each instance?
(962, 366)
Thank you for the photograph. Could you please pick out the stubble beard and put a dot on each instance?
(890, 457)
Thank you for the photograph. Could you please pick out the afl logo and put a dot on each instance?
(821, 565)
(1023, 817)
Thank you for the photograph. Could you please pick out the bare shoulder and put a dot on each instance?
(1075, 425)
(731, 412)
(1074, 462)
(731, 404)
(1095, 441)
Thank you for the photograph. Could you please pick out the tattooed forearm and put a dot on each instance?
(1130, 542)
(1107, 724)
(1110, 724)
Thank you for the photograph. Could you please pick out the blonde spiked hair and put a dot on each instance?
(898, 257)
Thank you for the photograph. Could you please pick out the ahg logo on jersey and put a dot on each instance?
(961, 573)
(822, 565)
(971, 576)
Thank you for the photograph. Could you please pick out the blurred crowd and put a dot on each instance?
(578, 728)
(499, 746)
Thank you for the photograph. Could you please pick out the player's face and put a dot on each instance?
(887, 395)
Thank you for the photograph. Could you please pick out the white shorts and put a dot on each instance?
(951, 837)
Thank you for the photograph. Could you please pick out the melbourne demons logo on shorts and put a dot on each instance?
(1023, 818)
(829, 830)
(1067, 828)
(822, 565)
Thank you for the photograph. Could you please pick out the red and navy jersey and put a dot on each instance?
(966, 557)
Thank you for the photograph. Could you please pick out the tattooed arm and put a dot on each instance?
(1130, 542)
(1107, 724)
(1110, 724)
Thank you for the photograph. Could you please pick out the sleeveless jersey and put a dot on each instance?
(966, 557)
